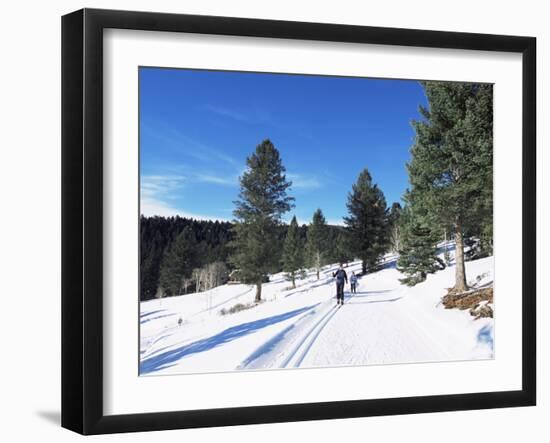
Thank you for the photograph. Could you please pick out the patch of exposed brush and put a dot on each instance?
(237, 308)
(478, 301)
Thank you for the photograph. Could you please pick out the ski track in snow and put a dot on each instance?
(308, 339)
(385, 322)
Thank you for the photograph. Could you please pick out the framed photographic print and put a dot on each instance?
(269, 221)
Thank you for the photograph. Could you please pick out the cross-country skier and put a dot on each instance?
(353, 282)
(341, 279)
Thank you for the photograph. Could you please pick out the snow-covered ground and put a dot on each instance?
(385, 322)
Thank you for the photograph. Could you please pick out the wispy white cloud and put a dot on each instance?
(157, 190)
(335, 222)
(226, 112)
(151, 207)
(218, 180)
(181, 142)
(205, 152)
(304, 181)
(155, 185)
(253, 115)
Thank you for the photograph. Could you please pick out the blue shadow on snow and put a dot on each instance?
(147, 314)
(308, 288)
(360, 294)
(168, 358)
(485, 336)
(389, 300)
(147, 320)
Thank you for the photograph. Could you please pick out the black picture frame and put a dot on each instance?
(82, 218)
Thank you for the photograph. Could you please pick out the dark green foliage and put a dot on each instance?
(262, 201)
(342, 247)
(293, 257)
(418, 254)
(394, 226)
(367, 221)
(151, 253)
(451, 170)
(335, 244)
(157, 234)
(316, 244)
(395, 213)
(452, 158)
(178, 262)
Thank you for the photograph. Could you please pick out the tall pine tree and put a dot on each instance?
(316, 241)
(451, 167)
(262, 201)
(367, 221)
(293, 257)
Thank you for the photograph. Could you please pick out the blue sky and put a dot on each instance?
(198, 127)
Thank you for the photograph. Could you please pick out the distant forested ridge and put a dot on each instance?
(157, 236)
(209, 243)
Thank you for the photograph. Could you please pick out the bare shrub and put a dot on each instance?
(237, 308)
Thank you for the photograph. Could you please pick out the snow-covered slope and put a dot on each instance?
(385, 322)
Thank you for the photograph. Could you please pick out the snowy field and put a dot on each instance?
(385, 322)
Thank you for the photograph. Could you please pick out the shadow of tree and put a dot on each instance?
(370, 293)
(485, 336)
(309, 287)
(148, 314)
(389, 300)
(168, 358)
(142, 321)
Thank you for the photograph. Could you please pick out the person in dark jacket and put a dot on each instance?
(341, 279)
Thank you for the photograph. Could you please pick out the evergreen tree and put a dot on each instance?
(451, 166)
(178, 262)
(262, 201)
(293, 258)
(418, 256)
(316, 241)
(367, 221)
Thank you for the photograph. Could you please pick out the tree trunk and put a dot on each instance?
(317, 273)
(364, 267)
(293, 281)
(460, 272)
(258, 292)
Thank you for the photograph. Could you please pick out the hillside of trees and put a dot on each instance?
(208, 252)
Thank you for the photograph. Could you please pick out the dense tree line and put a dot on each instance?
(206, 241)
(200, 259)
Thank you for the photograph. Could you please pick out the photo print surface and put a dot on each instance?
(297, 221)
